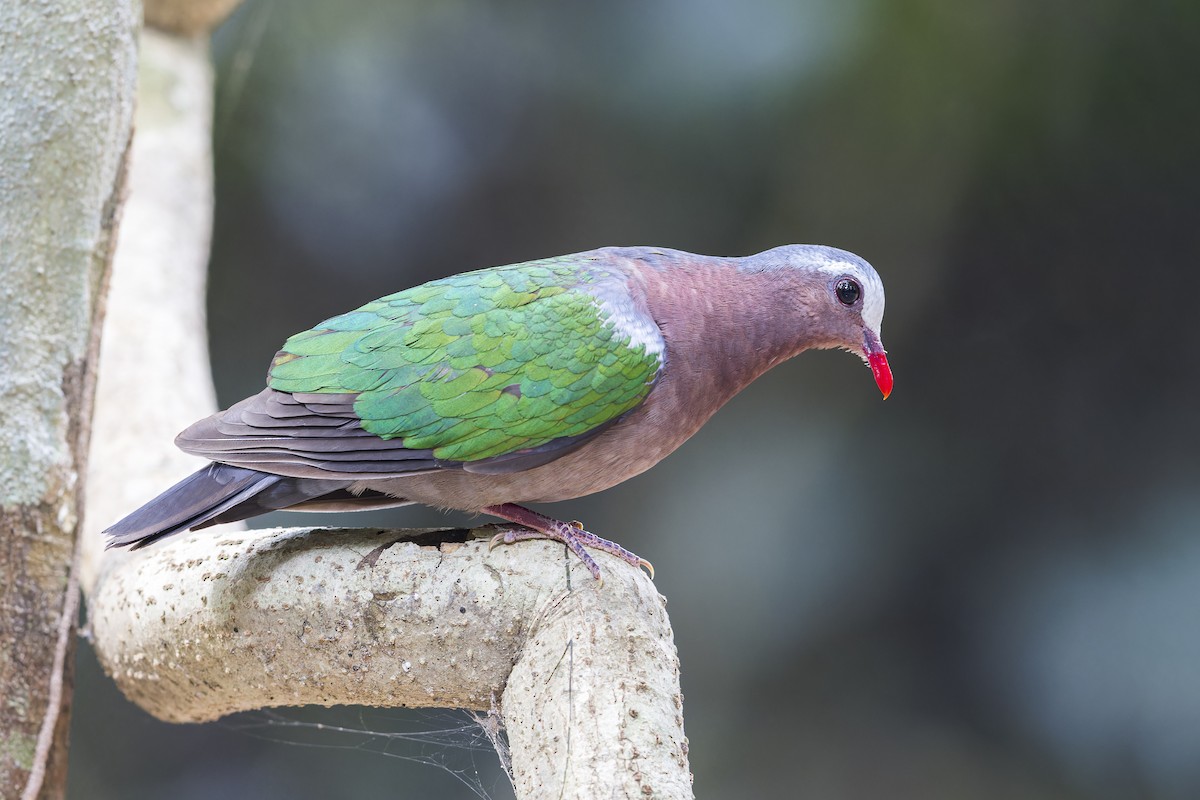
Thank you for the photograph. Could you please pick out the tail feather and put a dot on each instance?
(194, 500)
(221, 493)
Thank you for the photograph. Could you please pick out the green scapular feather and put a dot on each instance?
(480, 364)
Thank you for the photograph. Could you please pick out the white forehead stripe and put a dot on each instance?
(873, 304)
(827, 261)
(838, 262)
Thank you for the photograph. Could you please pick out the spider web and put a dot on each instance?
(462, 744)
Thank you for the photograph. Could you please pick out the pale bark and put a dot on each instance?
(154, 372)
(585, 674)
(188, 17)
(67, 77)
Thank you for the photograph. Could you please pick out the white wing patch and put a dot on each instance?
(628, 320)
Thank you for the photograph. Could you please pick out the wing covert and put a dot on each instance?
(485, 364)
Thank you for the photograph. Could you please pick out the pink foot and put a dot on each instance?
(538, 526)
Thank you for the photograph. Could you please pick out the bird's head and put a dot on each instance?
(843, 301)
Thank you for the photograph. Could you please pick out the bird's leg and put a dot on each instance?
(538, 526)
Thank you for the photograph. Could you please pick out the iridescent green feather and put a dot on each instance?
(480, 364)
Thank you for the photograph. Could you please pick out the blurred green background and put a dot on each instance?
(986, 587)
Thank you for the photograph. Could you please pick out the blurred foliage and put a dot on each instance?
(986, 587)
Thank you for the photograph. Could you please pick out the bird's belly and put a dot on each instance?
(583, 472)
(627, 449)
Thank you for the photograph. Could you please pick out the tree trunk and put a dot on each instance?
(67, 78)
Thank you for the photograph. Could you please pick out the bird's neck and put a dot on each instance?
(724, 325)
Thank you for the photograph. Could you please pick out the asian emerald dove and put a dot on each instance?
(533, 382)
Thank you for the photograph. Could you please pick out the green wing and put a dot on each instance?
(482, 364)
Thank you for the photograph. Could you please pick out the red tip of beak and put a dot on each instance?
(881, 370)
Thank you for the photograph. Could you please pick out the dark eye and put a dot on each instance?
(848, 291)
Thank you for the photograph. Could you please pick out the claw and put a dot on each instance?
(532, 525)
(646, 565)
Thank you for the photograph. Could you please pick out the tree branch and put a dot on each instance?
(585, 675)
(187, 17)
(154, 372)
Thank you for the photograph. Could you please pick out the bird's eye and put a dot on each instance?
(848, 291)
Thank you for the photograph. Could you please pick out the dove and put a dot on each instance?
(534, 382)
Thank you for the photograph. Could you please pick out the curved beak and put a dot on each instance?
(877, 360)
